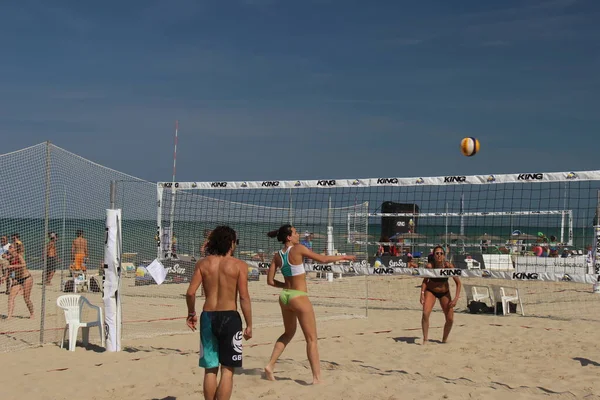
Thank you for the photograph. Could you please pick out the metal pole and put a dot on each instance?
(462, 217)
(45, 262)
(113, 194)
(62, 243)
(291, 212)
(446, 223)
(367, 295)
(563, 216)
(583, 241)
(596, 247)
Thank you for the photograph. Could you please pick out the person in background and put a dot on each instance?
(410, 262)
(16, 242)
(384, 247)
(79, 253)
(51, 258)
(174, 246)
(22, 283)
(307, 242)
(4, 272)
(206, 235)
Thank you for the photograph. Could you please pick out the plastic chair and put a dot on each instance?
(500, 295)
(72, 305)
(477, 293)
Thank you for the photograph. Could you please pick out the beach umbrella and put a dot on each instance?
(488, 237)
(523, 236)
(409, 235)
(452, 236)
(315, 235)
(357, 235)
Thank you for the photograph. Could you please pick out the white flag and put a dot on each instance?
(158, 271)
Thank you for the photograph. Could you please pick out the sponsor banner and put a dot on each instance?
(471, 261)
(178, 271)
(182, 270)
(364, 268)
(389, 262)
(534, 263)
(525, 177)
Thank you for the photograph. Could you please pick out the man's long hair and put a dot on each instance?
(220, 241)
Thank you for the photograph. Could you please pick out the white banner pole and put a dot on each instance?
(112, 279)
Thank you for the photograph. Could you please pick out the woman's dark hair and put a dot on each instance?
(282, 233)
(220, 241)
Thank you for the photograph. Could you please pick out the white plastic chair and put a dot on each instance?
(500, 295)
(72, 305)
(477, 293)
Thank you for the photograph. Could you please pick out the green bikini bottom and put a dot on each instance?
(288, 294)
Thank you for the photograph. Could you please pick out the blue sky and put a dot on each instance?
(268, 89)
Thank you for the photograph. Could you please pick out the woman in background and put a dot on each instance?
(22, 282)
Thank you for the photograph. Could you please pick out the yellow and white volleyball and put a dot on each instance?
(469, 146)
(377, 264)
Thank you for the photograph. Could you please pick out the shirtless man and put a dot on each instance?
(79, 251)
(223, 278)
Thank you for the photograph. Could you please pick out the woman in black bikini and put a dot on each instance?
(23, 281)
(438, 288)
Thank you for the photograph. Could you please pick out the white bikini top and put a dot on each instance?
(288, 269)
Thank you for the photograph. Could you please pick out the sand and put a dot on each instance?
(379, 357)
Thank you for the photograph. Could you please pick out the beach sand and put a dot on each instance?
(379, 357)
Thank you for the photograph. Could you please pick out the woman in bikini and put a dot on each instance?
(23, 281)
(293, 300)
(438, 288)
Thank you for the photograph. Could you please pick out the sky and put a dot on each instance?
(311, 89)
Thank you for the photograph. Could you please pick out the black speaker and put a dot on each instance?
(393, 225)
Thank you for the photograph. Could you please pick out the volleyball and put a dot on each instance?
(469, 146)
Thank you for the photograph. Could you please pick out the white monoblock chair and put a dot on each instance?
(477, 293)
(500, 295)
(72, 305)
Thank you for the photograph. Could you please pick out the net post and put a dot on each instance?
(45, 256)
(366, 249)
(171, 221)
(366, 295)
(112, 274)
(159, 233)
(571, 241)
(596, 246)
(63, 229)
(562, 226)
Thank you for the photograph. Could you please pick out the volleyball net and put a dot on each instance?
(532, 231)
(510, 231)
